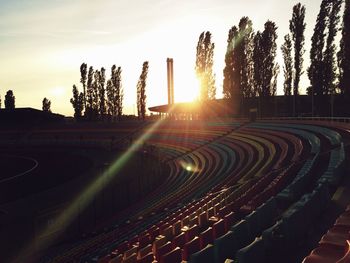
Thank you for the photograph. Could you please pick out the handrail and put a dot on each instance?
(339, 119)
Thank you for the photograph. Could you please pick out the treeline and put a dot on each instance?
(251, 69)
(102, 99)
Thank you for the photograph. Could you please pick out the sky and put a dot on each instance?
(44, 42)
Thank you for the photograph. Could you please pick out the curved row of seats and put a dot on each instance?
(178, 175)
(276, 244)
(223, 191)
(262, 161)
(334, 246)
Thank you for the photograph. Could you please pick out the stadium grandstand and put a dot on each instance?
(216, 190)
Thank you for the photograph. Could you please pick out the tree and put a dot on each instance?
(231, 73)
(77, 102)
(269, 67)
(120, 93)
(204, 66)
(89, 93)
(258, 58)
(46, 105)
(244, 46)
(102, 91)
(141, 92)
(329, 64)
(297, 28)
(316, 69)
(83, 72)
(110, 98)
(95, 94)
(119, 96)
(288, 65)
(9, 100)
(115, 93)
(239, 65)
(344, 53)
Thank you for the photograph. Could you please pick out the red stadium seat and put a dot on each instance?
(173, 256)
(346, 258)
(219, 228)
(191, 233)
(229, 219)
(179, 240)
(190, 248)
(324, 255)
(163, 250)
(206, 237)
(146, 259)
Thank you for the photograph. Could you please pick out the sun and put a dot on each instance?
(58, 91)
(186, 87)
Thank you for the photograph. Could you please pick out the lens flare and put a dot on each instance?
(86, 197)
(189, 166)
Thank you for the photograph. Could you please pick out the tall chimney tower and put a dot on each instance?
(170, 73)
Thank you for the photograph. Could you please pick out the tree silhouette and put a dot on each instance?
(204, 66)
(344, 53)
(316, 69)
(95, 94)
(269, 67)
(245, 56)
(120, 98)
(102, 91)
(9, 100)
(110, 98)
(89, 93)
(288, 65)
(231, 73)
(141, 92)
(115, 93)
(297, 28)
(258, 58)
(46, 105)
(83, 72)
(329, 73)
(77, 102)
(239, 78)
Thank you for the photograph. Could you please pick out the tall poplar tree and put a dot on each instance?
(288, 65)
(244, 52)
(116, 78)
(141, 92)
(89, 93)
(102, 91)
(231, 73)
(204, 66)
(297, 29)
(344, 53)
(316, 69)
(83, 72)
(329, 64)
(269, 65)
